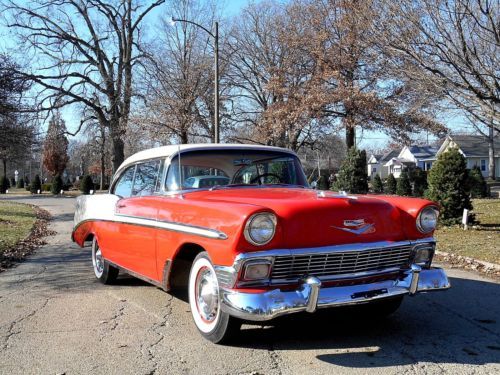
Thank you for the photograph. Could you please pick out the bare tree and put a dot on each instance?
(275, 96)
(452, 48)
(86, 52)
(17, 131)
(178, 79)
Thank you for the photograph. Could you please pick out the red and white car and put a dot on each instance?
(257, 243)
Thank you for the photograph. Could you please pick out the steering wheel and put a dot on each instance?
(258, 178)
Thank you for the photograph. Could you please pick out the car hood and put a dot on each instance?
(308, 218)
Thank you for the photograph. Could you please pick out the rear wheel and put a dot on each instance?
(214, 324)
(104, 272)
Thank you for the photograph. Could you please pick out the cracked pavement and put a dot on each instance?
(55, 318)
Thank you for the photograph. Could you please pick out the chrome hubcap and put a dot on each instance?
(206, 294)
(98, 261)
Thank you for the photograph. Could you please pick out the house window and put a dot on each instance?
(374, 170)
(483, 165)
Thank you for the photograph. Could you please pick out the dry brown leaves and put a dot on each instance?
(471, 264)
(26, 247)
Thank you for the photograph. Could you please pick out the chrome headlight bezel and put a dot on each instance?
(421, 225)
(252, 220)
(423, 254)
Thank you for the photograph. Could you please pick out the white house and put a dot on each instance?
(376, 164)
(475, 150)
(394, 162)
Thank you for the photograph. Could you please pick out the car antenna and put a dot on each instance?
(180, 169)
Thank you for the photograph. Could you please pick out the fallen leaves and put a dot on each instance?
(35, 239)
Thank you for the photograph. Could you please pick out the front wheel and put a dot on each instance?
(104, 272)
(214, 324)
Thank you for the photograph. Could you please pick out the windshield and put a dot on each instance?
(208, 169)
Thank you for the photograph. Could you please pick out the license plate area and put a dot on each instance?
(369, 293)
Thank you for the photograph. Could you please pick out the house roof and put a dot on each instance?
(423, 152)
(475, 145)
(388, 155)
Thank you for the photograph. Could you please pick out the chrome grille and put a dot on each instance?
(340, 263)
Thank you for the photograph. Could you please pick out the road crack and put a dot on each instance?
(11, 330)
(157, 329)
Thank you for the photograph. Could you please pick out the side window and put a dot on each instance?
(123, 187)
(145, 178)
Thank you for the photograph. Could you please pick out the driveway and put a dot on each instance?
(56, 318)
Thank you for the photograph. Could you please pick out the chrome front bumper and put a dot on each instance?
(310, 295)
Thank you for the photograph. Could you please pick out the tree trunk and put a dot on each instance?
(103, 155)
(4, 162)
(118, 150)
(491, 154)
(350, 136)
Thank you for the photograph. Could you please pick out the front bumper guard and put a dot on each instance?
(310, 295)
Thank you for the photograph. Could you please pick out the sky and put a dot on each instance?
(370, 139)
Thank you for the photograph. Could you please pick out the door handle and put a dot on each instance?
(121, 205)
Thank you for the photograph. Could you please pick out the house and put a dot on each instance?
(394, 162)
(475, 150)
(376, 164)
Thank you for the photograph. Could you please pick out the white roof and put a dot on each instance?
(172, 150)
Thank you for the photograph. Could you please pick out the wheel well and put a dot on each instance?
(89, 238)
(178, 276)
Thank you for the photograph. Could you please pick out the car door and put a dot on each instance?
(137, 215)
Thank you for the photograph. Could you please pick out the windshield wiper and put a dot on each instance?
(284, 184)
(216, 187)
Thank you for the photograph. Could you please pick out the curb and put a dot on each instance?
(470, 263)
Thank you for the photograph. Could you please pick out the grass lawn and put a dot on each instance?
(16, 221)
(481, 241)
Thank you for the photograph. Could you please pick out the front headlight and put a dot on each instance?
(427, 219)
(260, 228)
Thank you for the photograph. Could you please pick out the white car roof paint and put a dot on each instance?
(172, 150)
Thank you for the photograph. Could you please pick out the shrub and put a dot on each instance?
(419, 179)
(57, 185)
(12, 182)
(26, 180)
(378, 185)
(46, 187)
(391, 184)
(352, 175)
(403, 186)
(36, 184)
(4, 185)
(20, 183)
(478, 186)
(449, 185)
(27, 187)
(86, 184)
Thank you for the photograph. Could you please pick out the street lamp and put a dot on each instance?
(214, 35)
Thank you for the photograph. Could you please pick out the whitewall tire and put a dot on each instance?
(214, 324)
(104, 272)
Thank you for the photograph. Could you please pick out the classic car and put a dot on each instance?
(259, 245)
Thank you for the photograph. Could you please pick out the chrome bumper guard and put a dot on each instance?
(310, 295)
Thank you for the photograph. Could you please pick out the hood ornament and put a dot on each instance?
(359, 226)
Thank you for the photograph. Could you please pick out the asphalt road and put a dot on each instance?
(56, 318)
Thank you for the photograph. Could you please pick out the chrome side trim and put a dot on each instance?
(173, 226)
